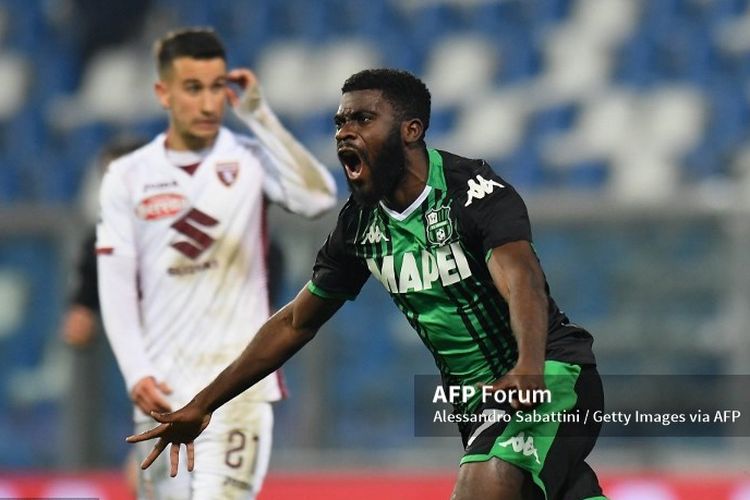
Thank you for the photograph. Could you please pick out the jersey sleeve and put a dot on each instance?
(294, 178)
(492, 211)
(117, 271)
(114, 232)
(338, 273)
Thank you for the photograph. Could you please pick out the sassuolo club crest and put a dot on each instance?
(439, 227)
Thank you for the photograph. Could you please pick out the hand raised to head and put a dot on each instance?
(246, 79)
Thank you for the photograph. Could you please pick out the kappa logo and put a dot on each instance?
(374, 235)
(479, 188)
(522, 444)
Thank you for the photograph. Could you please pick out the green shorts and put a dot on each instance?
(551, 442)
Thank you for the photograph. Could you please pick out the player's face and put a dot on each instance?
(195, 92)
(369, 145)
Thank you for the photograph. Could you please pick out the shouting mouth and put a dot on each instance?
(352, 162)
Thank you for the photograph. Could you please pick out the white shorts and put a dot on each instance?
(231, 458)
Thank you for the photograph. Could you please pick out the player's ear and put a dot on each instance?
(411, 130)
(162, 93)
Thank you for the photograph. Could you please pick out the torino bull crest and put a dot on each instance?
(227, 172)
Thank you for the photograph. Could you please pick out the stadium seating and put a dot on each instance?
(565, 48)
(527, 59)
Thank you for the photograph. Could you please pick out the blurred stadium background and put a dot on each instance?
(624, 123)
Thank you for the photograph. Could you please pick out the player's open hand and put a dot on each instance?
(180, 427)
(251, 97)
(521, 384)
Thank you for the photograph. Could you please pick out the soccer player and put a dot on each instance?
(181, 244)
(79, 329)
(79, 322)
(451, 243)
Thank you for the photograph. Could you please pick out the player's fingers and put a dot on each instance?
(524, 398)
(78, 339)
(158, 448)
(190, 456)
(165, 388)
(518, 405)
(73, 338)
(174, 459)
(159, 403)
(238, 78)
(242, 76)
(163, 417)
(498, 385)
(149, 434)
(481, 385)
(232, 96)
(143, 405)
(146, 399)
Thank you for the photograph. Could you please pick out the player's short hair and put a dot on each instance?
(407, 94)
(196, 43)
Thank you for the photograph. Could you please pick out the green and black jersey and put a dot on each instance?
(431, 259)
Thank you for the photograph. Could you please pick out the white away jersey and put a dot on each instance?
(197, 245)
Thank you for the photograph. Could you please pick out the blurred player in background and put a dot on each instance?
(451, 243)
(181, 246)
(80, 330)
(80, 320)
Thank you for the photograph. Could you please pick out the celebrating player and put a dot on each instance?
(451, 243)
(181, 245)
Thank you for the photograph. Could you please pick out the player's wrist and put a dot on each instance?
(530, 364)
(252, 104)
(202, 403)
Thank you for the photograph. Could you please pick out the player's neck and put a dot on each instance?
(416, 170)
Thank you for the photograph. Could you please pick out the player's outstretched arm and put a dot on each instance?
(276, 341)
(518, 277)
